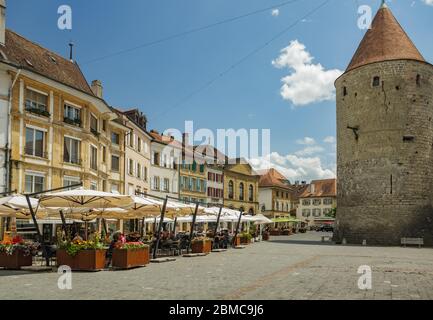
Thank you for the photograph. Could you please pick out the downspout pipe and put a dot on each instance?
(7, 165)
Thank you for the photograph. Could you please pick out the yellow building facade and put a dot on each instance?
(53, 149)
(241, 187)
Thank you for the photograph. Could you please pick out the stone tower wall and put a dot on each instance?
(385, 176)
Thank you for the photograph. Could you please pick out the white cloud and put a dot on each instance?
(307, 82)
(428, 2)
(295, 167)
(306, 141)
(308, 151)
(329, 139)
(275, 13)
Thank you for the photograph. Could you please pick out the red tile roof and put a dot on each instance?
(273, 178)
(28, 55)
(386, 40)
(321, 188)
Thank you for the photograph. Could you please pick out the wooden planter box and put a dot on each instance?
(275, 233)
(15, 261)
(85, 260)
(132, 258)
(201, 246)
(265, 236)
(237, 241)
(286, 233)
(245, 240)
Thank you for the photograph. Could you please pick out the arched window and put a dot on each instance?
(231, 194)
(241, 191)
(251, 193)
(251, 211)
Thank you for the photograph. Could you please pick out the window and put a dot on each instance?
(115, 163)
(166, 184)
(115, 138)
(146, 147)
(104, 154)
(104, 185)
(139, 171)
(201, 168)
(376, 81)
(156, 158)
(155, 183)
(34, 183)
(344, 91)
(231, 195)
(418, 80)
(104, 125)
(327, 201)
(145, 174)
(131, 167)
(94, 125)
(139, 145)
(317, 202)
(114, 188)
(306, 202)
(131, 140)
(93, 158)
(37, 103)
(241, 191)
(72, 115)
(306, 212)
(70, 181)
(251, 193)
(93, 185)
(263, 208)
(71, 153)
(316, 212)
(35, 143)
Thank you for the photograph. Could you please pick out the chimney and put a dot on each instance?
(97, 88)
(2, 22)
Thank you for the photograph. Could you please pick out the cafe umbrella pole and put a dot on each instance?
(158, 235)
(217, 224)
(38, 232)
(237, 228)
(194, 218)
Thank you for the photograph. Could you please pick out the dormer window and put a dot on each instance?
(376, 81)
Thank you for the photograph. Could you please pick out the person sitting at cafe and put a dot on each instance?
(77, 238)
(115, 242)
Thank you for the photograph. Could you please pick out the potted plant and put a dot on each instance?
(82, 255)
(201, 245)
(246, 238)
(16, 253)
(131, 255)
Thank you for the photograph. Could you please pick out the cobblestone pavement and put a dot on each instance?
(296, 267)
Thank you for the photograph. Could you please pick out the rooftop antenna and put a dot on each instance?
(71, 46)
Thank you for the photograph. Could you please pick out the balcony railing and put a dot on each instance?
(35, 153)
(72, 121)
(37, 111)
(94, 132)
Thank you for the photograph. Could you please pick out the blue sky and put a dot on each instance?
(157, 78)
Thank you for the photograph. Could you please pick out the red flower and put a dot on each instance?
(17, 240)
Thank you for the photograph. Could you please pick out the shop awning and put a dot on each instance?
(287, 219)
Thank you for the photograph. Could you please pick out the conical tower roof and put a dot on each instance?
(386, 40)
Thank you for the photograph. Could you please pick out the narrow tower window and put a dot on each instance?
(376, 81)
(344, 91)
(418, 80)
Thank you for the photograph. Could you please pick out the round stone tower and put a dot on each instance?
(385, 140)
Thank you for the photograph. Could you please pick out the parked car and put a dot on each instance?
(326, 228)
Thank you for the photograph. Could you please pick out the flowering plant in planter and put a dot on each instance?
(18, 244)
(200, 239)
(132, 246)
(73, 247)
